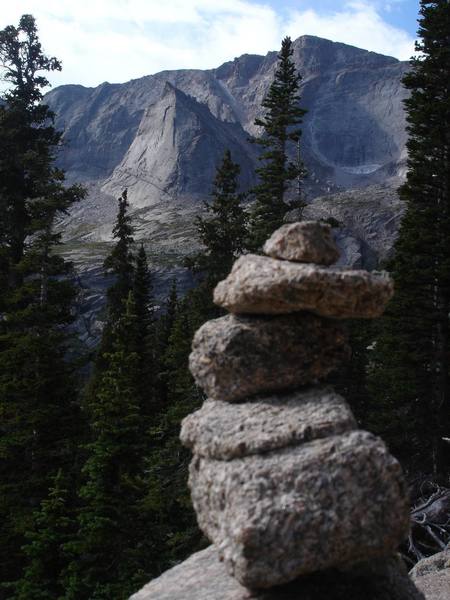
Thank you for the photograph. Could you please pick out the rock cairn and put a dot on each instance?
(282, 481)
(299, 504)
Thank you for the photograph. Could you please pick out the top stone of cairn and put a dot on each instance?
(307, 241)
(297, 277)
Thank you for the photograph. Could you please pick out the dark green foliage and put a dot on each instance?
(168, 462)
(163, 329)
(53, 527)
(31, 187)
(114, 547)
(167, 319)
(114, 550)
(145, 339)
(410, 371)
(281, 135)
(120, 264)
(223, 230)
(42, 426)
(223, 233)
(41, 420)
(142, 293)
(120, 261)
(351, 379)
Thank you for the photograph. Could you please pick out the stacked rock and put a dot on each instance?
(282, 481)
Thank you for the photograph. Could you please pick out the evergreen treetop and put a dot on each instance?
(41, 419)
(223, 230)
(120, 261)
(24, 62)
(31, 186)
(281, 131)
(410, 370)
(142, 289)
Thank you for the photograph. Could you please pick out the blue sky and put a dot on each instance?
(402, 14)
(117, 40)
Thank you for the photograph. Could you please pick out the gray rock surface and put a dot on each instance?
(432, 576)
(327, 503)
(263, 285)
(353, 131)
(224, 431)
(351, 251)
(117, 135)
(235, 357)
(203, 577)
(307, 241)
(178, 122)
(368, 220)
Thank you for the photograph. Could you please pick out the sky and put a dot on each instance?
(119, 40)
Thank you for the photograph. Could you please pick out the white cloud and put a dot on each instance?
(117, 40)
(358, 24)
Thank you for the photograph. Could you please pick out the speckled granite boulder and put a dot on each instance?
(263, 285)
(203, 577)
(236, 357)
(432, 576)
(224, 431)
(327, 503)
(307, 241)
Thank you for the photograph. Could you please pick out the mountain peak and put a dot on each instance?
(353, 132)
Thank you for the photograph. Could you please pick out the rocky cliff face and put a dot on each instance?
(176, 150)
(367, 221)
(163, 135)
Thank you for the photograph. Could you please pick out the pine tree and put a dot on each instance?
(145, 339)
(142, 293)
(120, 264)
(410, 375)
(41, 421)
(120, 261)
(167, 319)
(281, 135)
(53, 527)
(163, 329)
(112, 553)
(115, 522)
(29, 183)
(223, 230)
(351, 379)
(167, 464)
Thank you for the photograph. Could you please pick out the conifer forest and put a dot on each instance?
(94, 500)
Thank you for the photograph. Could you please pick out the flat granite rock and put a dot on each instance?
(432, 576)
(235, 357)
(203, 577)
(307, 241)
(327, 503)
(263, 285)
(224, 431)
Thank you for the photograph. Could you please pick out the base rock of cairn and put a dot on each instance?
(203, 577)
(322, 504)
(299, 504)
